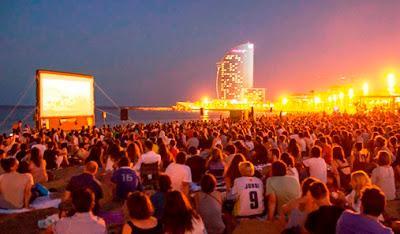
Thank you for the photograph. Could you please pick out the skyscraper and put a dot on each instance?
(235, 72)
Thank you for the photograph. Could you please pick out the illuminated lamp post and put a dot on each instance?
(365, 89)
(391, 83)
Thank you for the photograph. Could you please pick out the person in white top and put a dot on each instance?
(193, 141)
(40, 146)
(316, 164)
(248, 192)
(383, 175)
(84, 221)
(149, 156)
(180, 174)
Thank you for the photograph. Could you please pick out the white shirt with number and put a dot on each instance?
(249, 194)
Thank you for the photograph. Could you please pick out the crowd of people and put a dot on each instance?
(312, 173)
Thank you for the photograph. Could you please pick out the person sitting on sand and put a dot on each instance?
(141, 219)
(126, 179)
(83, 221)
(373, 204)
(15, 188)
(86, 180)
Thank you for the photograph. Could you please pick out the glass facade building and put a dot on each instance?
(235, 72)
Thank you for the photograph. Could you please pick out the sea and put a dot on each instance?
(12, 114)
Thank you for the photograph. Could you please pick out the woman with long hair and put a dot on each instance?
(141, 219)
(179, 216)
(166, 156)
(37, 166)
(216, 167)
(133, 153)
(294, 149)
(359, 180)
(233, 170)
(340, 167)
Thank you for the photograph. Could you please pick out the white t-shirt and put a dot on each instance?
(40, 147)
(178, 173)
(317, 168)
(248, 192)
(147, 158)
(292, 171)
(193, 141)
(383, 177)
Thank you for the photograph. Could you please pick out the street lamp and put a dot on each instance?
(365, 89)
(391, 82)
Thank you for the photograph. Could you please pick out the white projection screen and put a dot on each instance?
(64, 95)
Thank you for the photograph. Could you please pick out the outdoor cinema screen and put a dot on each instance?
(65, 94)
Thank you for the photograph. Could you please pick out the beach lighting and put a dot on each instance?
(317, 100)
(284, 100)
(351, 93)
(341, 95)
(365, 89)
(391, 82)
(205, 100)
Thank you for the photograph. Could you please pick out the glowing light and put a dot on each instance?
(341, 95)
(334, 97)
(250, 46)
(234, 101)
(330, 99)
(351, 93)
(317, 100)
(285, 101)
(391, 82)
(205, 100)
(365, 89)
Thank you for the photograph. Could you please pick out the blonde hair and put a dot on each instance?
(359, 180)
(246, 168)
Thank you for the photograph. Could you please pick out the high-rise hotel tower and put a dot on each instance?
(235, 72)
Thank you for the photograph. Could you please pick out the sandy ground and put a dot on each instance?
(27, 222)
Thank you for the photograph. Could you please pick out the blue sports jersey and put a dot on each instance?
(126, 180)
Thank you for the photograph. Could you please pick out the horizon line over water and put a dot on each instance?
(26, 112)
